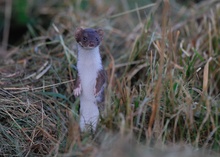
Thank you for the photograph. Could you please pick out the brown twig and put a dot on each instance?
(157, 91)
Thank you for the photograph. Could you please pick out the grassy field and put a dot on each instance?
(162, 98)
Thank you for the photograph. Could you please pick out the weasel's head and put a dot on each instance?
(88, 38)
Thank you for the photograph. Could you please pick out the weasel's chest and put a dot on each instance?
(87, 71)
(88, 67)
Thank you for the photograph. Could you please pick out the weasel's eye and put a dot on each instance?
(97, 39)
(84, 39)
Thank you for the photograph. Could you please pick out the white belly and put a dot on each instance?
(89, 63)
(88, 80)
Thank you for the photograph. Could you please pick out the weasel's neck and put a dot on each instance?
(89, 55)
(84, 50)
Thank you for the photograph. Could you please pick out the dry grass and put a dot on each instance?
(163, 66)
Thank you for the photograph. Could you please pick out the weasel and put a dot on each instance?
(91, 78)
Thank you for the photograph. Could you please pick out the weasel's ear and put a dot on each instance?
(100, 32)
(78, 33)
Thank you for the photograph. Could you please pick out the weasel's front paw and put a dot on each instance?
(77, 91)
(96, 93)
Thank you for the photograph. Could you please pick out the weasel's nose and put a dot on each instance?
(91, 44)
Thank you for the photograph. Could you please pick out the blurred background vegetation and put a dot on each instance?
(30, 15)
